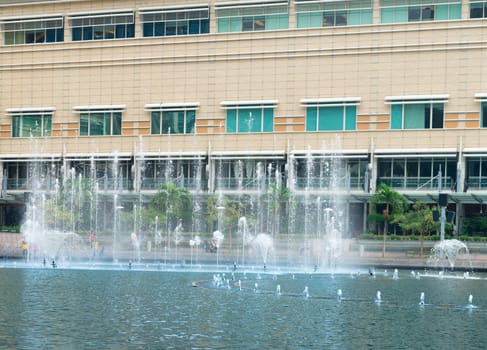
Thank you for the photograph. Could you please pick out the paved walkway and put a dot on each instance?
(357, 253)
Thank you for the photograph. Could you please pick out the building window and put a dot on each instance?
(417, 173)
(325, 13)
(483, 115)
(482, 98)
(17, 175)
(400, 11)
(172, 118)
(417, 112)
(100, 120)
(35, 122)
(38, 30)
(107, 174)
(329, 170)
(331, 114)
(175, 21)
(249, 116)
(478, 9)
(184, 171)
(252, 172)
(250, 17)
(476, 173)
(102, 26)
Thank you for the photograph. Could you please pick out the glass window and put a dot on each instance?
(31, 124)
(417, 116)
(399, 11)
(250, 119)
(33, 30)
(417, 173)
(104, 26)
(166, 22)
(412, 167)
(333, 13)
(173, 122)
(100, 123)
(241, 18)
(329, 118)
(398, 168)
(478, 9)
(483, 115)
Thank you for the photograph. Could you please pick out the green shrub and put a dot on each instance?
(475, 226)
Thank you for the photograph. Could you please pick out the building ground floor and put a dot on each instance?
(316, 179)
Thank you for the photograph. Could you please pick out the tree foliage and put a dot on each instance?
(170, 204)
(394, 202)
(419, 220)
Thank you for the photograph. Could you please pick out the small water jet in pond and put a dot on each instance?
(378, 297)
(421, 299)
(339, 295)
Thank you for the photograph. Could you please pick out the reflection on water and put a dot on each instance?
(108, 309)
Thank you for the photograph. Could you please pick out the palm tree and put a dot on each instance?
(395, 203)
(171, 204)
(278, 198)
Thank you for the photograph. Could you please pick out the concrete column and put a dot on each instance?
(213, 19)
(365, 215)
(460, 173)
(3, 181)
(375, 11)
(373, 173)
(465, 9)
(292, 15)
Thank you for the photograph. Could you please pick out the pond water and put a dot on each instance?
(48, 308)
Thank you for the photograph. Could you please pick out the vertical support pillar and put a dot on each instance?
(465, 9)
(376, 12)
(292, 15)
(443, 203)
(214, 20)
(3, 181)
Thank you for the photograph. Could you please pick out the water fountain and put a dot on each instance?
(339, 295)
(261, 244)
(41, 232)
(314, 241)
(136, 245)
(378, 297)
(447, 252)
(421, 299)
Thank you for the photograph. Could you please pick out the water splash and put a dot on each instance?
(447, 252)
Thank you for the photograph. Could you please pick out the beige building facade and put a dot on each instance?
(396, 90)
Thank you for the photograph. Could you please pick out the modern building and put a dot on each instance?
(224, 96)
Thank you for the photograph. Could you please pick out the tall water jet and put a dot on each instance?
(116, 227)
(261, 244)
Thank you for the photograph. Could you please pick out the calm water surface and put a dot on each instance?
(122, 309)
